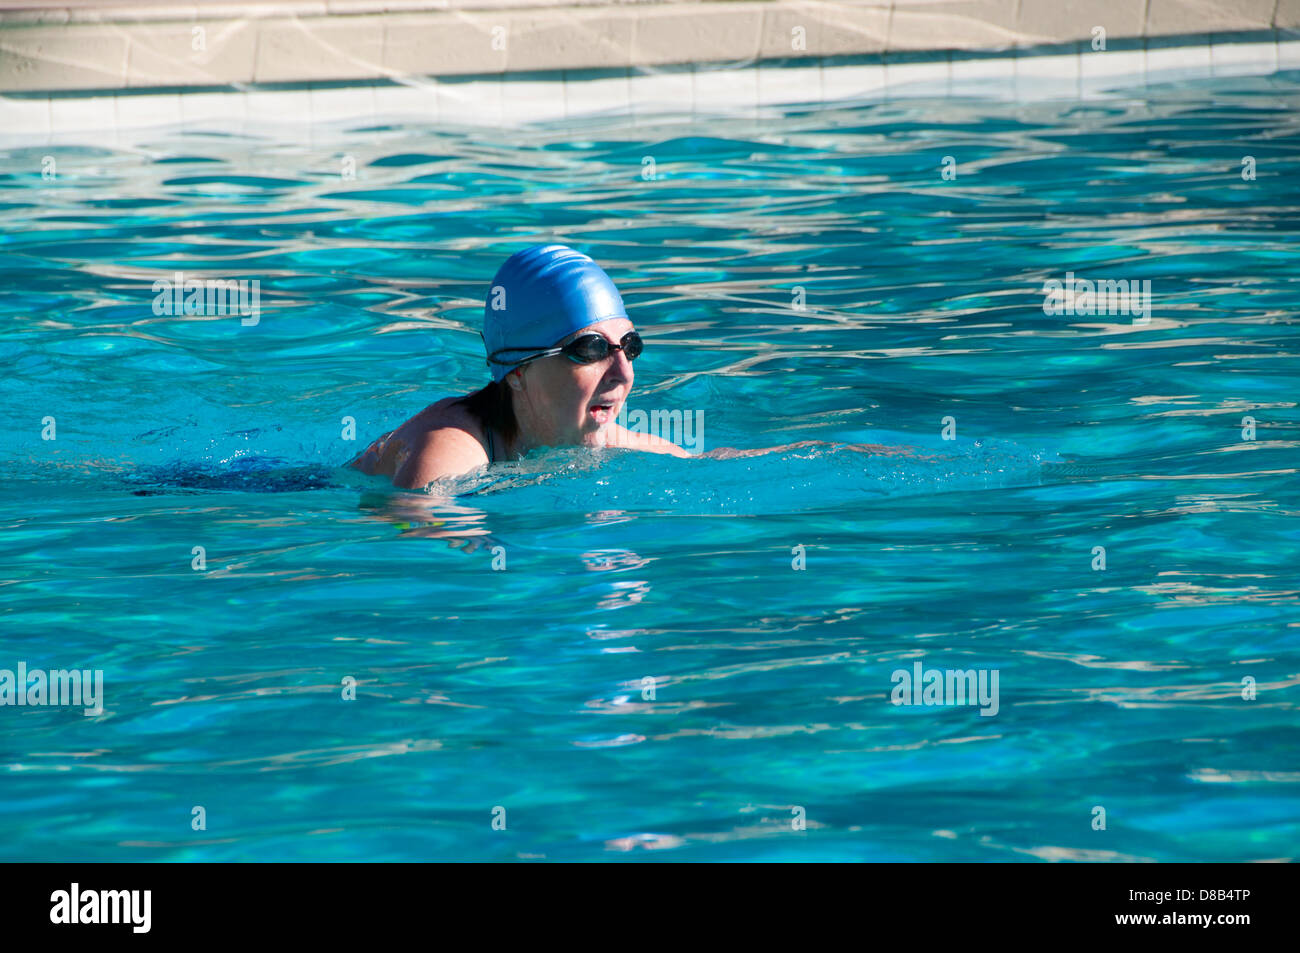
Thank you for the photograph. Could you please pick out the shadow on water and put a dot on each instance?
(414, 514)
(245, 475)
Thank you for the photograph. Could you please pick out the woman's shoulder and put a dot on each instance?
(441, 440)
(444, 439)
(450, 413)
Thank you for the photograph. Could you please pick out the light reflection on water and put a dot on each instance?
(663, 593)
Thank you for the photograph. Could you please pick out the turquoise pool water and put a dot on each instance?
(524, 688)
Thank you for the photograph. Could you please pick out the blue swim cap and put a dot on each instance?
(540, 296)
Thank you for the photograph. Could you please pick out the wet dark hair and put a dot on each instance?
(494, 408)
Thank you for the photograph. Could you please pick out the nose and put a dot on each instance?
(620, 368)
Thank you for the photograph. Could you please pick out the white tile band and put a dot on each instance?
(498, 101)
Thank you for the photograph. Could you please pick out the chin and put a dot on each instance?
(602, 436)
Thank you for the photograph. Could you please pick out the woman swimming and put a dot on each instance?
(561, 347)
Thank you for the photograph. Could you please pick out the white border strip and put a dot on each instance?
(701, 89)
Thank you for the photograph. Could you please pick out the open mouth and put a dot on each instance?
(601, 413)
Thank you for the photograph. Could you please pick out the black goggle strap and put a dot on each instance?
(535, 353)
(532, 352)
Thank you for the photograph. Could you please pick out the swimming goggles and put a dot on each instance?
(586, 349)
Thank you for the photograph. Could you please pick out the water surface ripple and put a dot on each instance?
(649, 676)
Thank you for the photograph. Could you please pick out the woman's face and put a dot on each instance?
(561, 403)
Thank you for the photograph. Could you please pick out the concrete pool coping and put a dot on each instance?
(91, 45)
(693, 91)
(107, 64)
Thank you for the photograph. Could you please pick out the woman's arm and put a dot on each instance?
(727, 453)
(620, 436)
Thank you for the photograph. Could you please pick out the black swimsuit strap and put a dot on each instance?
(492, 454)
